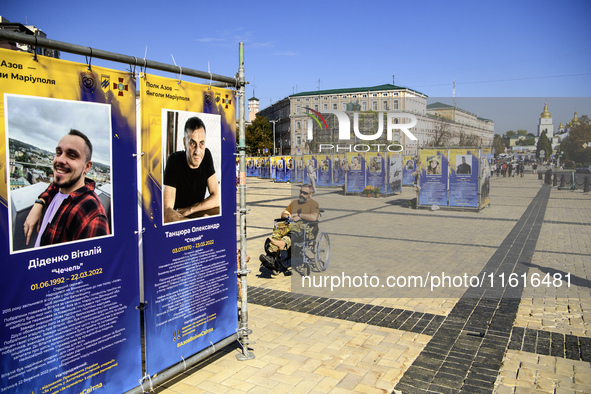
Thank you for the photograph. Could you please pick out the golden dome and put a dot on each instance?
(560, 127)
(546, 114)
(575, 119)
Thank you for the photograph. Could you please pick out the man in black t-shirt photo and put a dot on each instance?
(188, 175)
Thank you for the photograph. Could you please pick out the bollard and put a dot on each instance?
(562, 181)
(548, 177)
(555, 180)
(586, 185)
(540, 175)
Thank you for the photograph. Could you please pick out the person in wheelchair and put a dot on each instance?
(295, 216)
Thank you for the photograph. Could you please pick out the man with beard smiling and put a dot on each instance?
(69, 209)
(188, 175)
(297, 213)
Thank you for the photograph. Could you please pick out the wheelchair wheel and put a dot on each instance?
(322, 248)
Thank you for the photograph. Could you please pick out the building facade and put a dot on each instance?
(364, 107)
(279, 116)
(5, 24)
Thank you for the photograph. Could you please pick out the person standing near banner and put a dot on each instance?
(188, 175)
(69, 209)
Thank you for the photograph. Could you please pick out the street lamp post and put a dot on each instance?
(273, 121)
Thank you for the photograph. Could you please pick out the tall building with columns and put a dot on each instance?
(546, 123)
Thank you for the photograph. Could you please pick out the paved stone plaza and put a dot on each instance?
(383, 339)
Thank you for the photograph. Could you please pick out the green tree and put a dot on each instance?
(522, 132)
(529, 141)
(572, 146)
(498, 144)
(509, 133)
(259, 136)
(543, 145)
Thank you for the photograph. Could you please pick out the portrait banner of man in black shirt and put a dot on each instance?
(464, 168)
(191, 188)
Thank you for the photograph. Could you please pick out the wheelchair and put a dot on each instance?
(312, 248)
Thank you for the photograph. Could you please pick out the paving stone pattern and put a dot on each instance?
(491, 339)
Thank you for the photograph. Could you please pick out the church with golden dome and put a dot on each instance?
(546, 123)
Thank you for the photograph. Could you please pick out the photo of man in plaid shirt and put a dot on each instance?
(69, 209)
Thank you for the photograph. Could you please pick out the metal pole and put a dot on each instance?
(273, 137)
(167, 374)
(243, 272)
(114, 57)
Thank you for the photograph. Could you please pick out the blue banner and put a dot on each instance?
(273, 165)
(486, 159)
(356, 172)
(325, 171)
(282, 174)
(69, 295)
(189, 201)
(409, 171)
(265, 168)
(311, 170)
(289, 169)
(300, 169)
(339, 169)
(376, 171)
(257, 167)
(394, 184)
(250, 166)
(463, 179)
(433, 178)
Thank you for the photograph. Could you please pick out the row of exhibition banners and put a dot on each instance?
(446, 177)
(71, 311)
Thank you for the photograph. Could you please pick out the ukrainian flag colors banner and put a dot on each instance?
(265, 167)
(486, 157)
(300, 169)
(433, 177)
(189, 200)
(310, 169)
(339, 169)
(273, 160)
(408, 170)
(376, 171)
(394, 183)
(463, 177)
(69, 298)
(355, 180)
(250, 166)
(258, 166)
(325, 170)
(282, 174)
(289, 168)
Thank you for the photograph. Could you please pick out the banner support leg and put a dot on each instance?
(243, 330)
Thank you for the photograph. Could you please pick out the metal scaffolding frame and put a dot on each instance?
(238, 82)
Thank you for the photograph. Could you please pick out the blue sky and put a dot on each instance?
(490, 49)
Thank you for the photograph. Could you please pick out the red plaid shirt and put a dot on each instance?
(80, 216)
